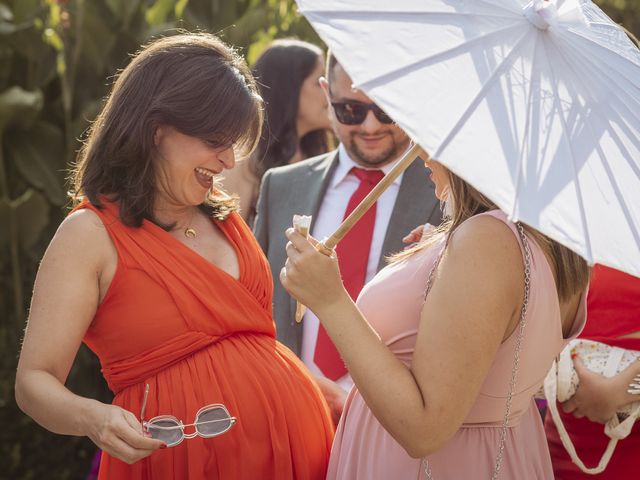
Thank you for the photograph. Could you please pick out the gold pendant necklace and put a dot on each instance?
(190, 232)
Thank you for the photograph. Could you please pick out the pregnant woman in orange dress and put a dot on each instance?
(158, 275)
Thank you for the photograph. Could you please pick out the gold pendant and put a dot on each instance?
(190, 232)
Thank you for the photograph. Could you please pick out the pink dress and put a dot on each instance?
(392, 302)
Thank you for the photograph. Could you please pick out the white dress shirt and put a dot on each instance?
(330, 216)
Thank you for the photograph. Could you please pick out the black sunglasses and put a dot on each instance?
(354, 113)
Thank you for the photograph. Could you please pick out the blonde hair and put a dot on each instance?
(464, 201)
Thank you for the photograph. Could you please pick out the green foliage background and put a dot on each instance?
(56, 61)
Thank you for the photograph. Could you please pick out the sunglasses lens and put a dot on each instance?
(350, 113)
(381, 116)
(213, 421)
(355, 113)
(165, 430)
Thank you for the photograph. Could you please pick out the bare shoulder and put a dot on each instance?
(82, 225)
(487, 247)
(83, 236)
(486, 229)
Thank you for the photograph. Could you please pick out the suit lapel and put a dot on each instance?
(309, 188)
(307, 195)
(319, 179)
(415, 205)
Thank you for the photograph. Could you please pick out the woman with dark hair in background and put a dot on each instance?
(296, 119)
(158, 275)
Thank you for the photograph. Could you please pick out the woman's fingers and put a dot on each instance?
(414, 236)
(136, 440)
(134, 435)
(579, 366)
(418, 233)
(313, 241)
(302, 244)
(291, 249)
(120, 448)
(297, 247)
(119, 433)
(571, 406)
(132, 421)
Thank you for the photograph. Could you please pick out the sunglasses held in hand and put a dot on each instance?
(211, 421)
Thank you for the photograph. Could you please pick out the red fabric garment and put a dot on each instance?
(197, 336)
(353, 257)
(613, 310)
(613, 307)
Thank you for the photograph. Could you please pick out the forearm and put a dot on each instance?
(386, 384)
(45, 399)
(423, 405)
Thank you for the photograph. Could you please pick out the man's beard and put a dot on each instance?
(373, 159)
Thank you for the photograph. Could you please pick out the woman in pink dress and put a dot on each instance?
(434, 395)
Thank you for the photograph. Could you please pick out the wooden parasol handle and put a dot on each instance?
(328, 244)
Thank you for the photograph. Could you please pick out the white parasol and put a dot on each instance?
(537, 105)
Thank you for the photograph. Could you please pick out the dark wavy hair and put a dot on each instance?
(280, 71)
(191, 82)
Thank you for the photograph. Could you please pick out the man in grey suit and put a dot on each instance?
(323, 187)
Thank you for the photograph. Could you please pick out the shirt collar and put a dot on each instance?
(345, 164)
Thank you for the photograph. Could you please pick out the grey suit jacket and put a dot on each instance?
(299, 189)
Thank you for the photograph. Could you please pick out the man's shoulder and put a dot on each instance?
(317, 163)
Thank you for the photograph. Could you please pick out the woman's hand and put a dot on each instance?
(70, 282)
(334, 395)
(596, 398)
(119, 433)
(418, 233)
(310, 276)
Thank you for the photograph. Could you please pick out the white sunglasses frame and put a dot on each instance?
(179, 425)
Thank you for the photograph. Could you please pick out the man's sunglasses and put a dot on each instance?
(354, 113)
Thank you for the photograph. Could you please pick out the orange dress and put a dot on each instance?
(197, 336)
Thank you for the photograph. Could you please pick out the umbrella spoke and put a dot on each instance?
(434, 18)
(500, 4)
(322, 7)
(605, 35)
(412, 16)
(621, 79)
(437, 57)
(525, 145)
(536, 106)
(481, 95)
(625, 209)
(607, 127)
(622, 100)
(588, 74)
(588, 254)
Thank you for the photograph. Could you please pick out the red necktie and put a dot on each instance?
(353, 257)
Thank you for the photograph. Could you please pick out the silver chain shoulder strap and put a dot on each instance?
(516, 355)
